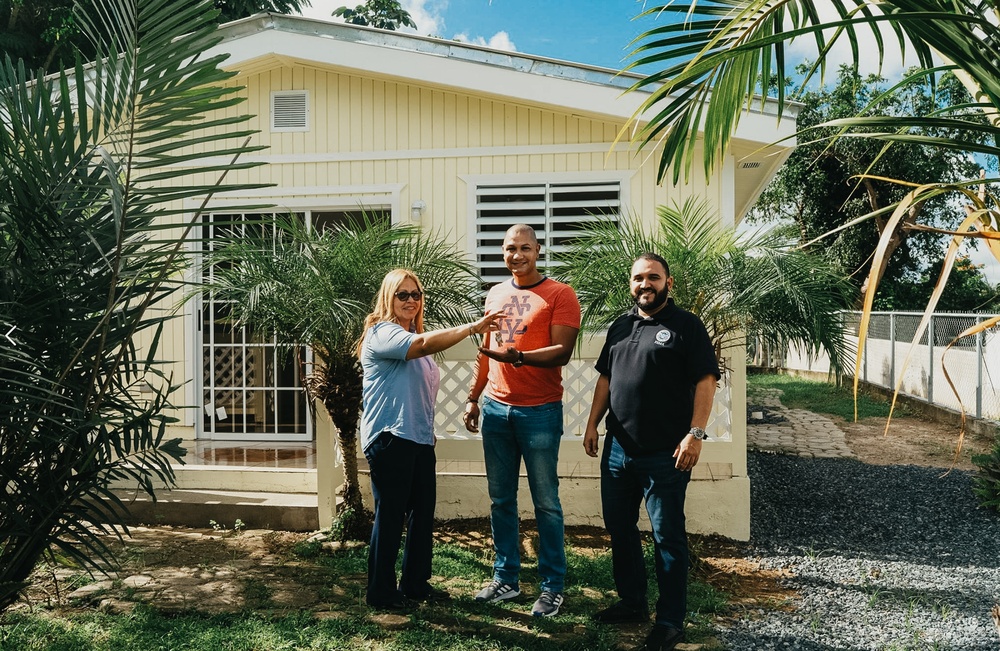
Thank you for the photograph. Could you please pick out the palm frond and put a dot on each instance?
(757, 285)
(714, 53)
(86, 160)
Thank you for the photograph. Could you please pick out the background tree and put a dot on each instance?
(826, 183)
(384, 14)
(316, 288)
(967, 290)
(236, 9)
(756, 286)
(45, 34)
(85, 268)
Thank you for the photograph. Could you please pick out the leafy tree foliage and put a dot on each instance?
(46, 34)
(236, 9)
(384, 14)
(42, 33)
(966, 291)
(87, 271)
(827, 183)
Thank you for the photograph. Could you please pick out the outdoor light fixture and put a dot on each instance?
(417, 209)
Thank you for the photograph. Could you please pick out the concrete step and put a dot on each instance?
(245, 479)
(197, 507)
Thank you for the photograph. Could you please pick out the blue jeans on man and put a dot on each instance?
(533, 434)
(625, 482)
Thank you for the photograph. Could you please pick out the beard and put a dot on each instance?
(650, 300)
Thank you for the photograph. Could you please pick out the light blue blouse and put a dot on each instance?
(398, 395)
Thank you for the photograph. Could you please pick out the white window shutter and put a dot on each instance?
(557, 211)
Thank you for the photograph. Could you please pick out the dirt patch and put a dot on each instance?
(751, 589)
(911, 441)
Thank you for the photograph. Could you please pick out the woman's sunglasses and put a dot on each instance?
(405, 296)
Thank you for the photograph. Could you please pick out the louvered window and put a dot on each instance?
(290, 111)
(557, 211)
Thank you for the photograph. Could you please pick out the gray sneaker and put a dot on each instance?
(548, 604)
(498, 591)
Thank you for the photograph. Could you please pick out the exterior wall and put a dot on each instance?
(383, 142)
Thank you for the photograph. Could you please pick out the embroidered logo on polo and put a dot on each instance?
(663, 337)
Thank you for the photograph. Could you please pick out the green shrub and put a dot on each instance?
(986, 484)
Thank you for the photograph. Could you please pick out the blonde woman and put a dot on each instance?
(397, 435)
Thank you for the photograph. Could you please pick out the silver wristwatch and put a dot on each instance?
(698, 433)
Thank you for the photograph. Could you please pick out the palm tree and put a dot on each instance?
(713, 55)
(756, 286)
(315, 287)
(87, 161)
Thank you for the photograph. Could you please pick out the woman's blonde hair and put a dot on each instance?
(383, 303)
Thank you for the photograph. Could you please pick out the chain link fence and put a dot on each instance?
(968, 376)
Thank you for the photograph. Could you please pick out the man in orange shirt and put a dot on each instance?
(519, 378)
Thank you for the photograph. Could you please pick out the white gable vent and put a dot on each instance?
(752, 165)
(290, 111)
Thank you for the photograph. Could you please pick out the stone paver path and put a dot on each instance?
(803, 432)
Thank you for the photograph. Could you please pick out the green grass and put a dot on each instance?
(823, 397)
(459, 625)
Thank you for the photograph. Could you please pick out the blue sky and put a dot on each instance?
(595, 31)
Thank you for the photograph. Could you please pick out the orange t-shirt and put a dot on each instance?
(532, 311)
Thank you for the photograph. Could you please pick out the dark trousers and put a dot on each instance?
(625, 482)
(404, 488)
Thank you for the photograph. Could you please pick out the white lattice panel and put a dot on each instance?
(579, 378)
(456, 378)
(720, 423)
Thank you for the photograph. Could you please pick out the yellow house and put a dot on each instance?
(462, 140)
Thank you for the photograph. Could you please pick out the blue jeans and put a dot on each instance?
(625, 482)
(532, 433)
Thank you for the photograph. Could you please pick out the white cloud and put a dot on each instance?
(322, 9)
(499, 41)
(427, 15)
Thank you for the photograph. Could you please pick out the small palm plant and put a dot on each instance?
(312, 287)
(755, 286)
(93, 163)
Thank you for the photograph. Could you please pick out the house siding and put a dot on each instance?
(425, 140)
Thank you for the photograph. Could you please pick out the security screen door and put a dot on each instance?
(252, 387)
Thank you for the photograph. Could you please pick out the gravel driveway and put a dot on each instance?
(885, 558)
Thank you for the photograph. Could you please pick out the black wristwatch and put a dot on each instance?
(519, 362)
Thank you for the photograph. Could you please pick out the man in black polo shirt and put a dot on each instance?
(658, 374)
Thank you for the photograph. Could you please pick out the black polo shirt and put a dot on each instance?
(653, 365)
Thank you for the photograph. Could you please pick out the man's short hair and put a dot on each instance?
(655, 257)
